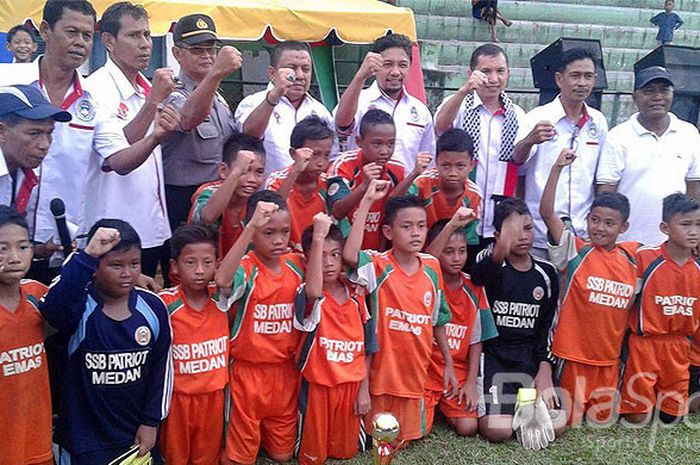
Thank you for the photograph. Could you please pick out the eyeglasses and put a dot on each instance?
(199, 50)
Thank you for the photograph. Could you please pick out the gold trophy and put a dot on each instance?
(385, 429)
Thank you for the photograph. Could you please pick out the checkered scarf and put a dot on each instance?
(472, 124)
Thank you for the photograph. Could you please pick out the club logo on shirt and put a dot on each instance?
(428, 298)
(538, 293)
(592, 130)
(86, 111)
(335, 187)
(414, 114)
(122, 111)
(142, 335)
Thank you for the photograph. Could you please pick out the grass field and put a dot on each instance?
(649, 445)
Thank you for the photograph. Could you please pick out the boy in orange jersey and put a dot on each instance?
(351, 173)
(666, 315)
(334, 355)
(448, 187)
(264, 380)
(223, 202)
(598, 288)
(191, 433)
(304, 184)
(472, 323)
(407, 307)
(25, 400)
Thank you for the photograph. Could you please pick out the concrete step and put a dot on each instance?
(656, 5)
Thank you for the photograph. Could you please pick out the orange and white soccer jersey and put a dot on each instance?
(598, 292)
(25, 399)
(345, 175)
(438, 207)
(230, 224)
(200, 343)
(668, 294)
(333, 351)
(405, 308)
(263, 326)
(301, 208)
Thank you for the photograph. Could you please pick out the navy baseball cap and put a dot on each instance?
(646, 75)
(194, 29)
(28, 102)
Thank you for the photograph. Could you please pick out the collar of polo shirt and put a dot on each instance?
(376, 93)
(124, 87)
(673, 124)
(558, 112)
(271, 86)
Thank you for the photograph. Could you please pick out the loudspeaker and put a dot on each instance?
(684, 65)
(546, 62)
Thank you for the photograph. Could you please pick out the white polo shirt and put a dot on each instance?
(415, 131)
(282, 121)
(138, 197)
(9, 189)
(647, 168)
(493, 176)
(62, 173)
(575, 191)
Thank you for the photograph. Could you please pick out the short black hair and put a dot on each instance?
(9, 215)
(187, 234)
(393, 41)
(398, 203)
(614, 201)
(111, 18)
(437, 228)
(20, 27)
(374, 117)
(282, 47)
(334, 234)
(263, 196)
(239, 141)
(128, 237)
(574, 54)
(676, 204)
(486, 50)
(455, 140)
(310, 128)
(53, 10)
(507, 207)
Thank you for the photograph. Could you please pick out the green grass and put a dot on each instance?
(649, 445)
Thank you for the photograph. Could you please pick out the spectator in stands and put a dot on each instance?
(566, 122)
(650, 156)
(271, 114)
(482, 108)
(389, 62)
(192, 153)
(21, 43)
(488, 11)
(667, 21)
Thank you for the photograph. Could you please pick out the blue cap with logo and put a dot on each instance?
(28, 102)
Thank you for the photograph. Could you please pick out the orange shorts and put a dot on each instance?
(263, 410)
(449, 407)
(193, 432)
(656, 375)
(410, 413)
(329, 428)
(588, 389)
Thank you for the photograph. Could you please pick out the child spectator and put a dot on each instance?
(25, 400)
(665, 316)
(351, 173)
(21, 42)
(598, 292)
(118, 380)
(334, 389)
(223, 202)
(471, 324)
(487, 10)
(304, 184)
(407, 307)
(523, 292)
(262, 284)
(193, 430)
(667, 21)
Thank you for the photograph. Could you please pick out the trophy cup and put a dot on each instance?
(385, 429)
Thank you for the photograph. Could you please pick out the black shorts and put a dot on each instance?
(694, 385)
(501, 383)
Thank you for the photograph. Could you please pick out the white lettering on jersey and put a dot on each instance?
(22, 359)
(676, 304)
(609, 293)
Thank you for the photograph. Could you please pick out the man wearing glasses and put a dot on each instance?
(565, 122)
(192, 153)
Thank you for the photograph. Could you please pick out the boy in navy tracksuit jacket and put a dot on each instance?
(118, 377)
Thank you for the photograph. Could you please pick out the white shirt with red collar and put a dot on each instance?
(11, 191)
(415, 131)
(138, 197)
(576, 187)
(62, 173)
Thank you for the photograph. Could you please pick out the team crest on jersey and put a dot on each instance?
(427, 298)
(142, 335)
(333, 189)
(593, 130)
(122, 111)
(538, 293)
(414, 114)
(86, 111)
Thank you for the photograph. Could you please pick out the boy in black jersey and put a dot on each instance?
(523, 292)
